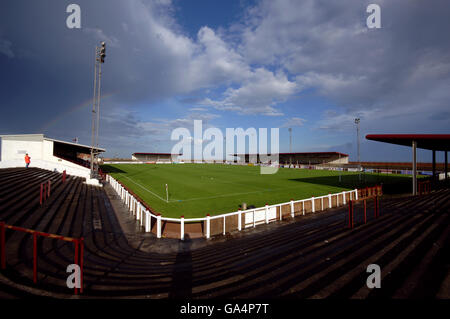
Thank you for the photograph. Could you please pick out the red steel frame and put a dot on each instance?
(424, 187)
(45, 192)
(79, 249)
(351, 223)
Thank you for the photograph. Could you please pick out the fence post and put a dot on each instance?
(64, 176)
(254, 223)
(208, 226)
(343, 196)
(240, 220)
(35, 257)
(329, 200)
(356, 194)
(182, 228)
(267, 213)
(292, 208)
(313, 204)
(158, 226)
(224, 222)
(337, 200)
(303, 207)
(2, 246)
(148, 221)
(137, 211)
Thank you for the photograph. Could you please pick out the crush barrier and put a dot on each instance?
(424, 187)
(45, 191)
(220, 224)
(79, 249)
(351, 209)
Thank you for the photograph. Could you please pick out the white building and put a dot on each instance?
(155, 157)
(46, 153)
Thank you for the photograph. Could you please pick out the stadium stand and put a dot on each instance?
(315, 256)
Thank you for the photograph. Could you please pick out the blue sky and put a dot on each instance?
(312, 65)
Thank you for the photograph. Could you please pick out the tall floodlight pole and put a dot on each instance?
(290, 146)
(99, 60)
(357, 120)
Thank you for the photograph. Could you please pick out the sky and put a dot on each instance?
(310, 65)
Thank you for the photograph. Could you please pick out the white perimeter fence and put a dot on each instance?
(246, 218)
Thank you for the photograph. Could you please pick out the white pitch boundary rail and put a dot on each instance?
(252, 217)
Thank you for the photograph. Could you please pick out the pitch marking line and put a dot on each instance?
(144, 188)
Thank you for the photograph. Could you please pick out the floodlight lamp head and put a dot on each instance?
(357, 120)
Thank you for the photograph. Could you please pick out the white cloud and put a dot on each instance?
(101, 36)
(258, 95)
(294, 121)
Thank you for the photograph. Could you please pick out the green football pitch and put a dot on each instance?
(198, 189)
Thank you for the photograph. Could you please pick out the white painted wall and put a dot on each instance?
(15, 150)
(41, 152)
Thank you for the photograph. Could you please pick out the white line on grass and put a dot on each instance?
(145, 188)
(234, 194)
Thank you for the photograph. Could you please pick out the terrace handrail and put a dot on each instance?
(79, 248)
(144, 215)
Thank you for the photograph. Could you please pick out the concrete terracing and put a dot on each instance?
(312, 256)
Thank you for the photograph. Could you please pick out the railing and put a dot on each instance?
(424, 187)
(351, 213)
(45, 192)
(79, 249)
(245, 219)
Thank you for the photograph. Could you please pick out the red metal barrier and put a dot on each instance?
(424, 187)
(351, 205)
(44, 192)
(79, 248)
(64, 176)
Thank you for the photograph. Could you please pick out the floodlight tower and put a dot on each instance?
(357, 120)
(99, 60)
(290, 146)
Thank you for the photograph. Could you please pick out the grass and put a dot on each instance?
(198, 189)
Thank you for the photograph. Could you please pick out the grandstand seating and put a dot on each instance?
(315, 256)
